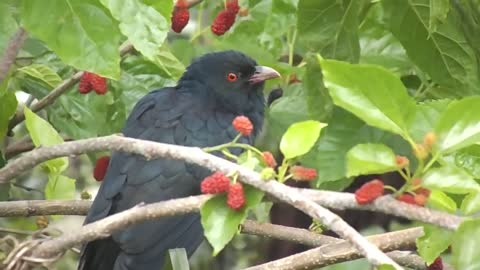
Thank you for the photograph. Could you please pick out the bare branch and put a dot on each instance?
(150, 149)
(342, 251)
(105, 227)
(11, 52)
(301, 236)
(386, 204)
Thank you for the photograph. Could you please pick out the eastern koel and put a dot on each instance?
(199, 112)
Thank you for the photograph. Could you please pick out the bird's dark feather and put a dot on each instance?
(191, 114)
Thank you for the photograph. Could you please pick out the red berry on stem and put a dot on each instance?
(243, 125)
(223, 22)
(99, 84)
(269, 159)
(406, 198)
(301, 173)
(101, 166)
(85, 86)
(180, 16)
(369, 191)
(215, 183)
(236, 196)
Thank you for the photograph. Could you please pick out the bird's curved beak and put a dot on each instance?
(263, 73)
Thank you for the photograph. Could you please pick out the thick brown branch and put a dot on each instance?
(343, 251)
(105, 227)
(301, 236)
(11, 52)
(150, 150)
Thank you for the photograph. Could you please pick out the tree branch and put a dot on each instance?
(150, 150)
(11, 52)
(58, 91)
(302, 236)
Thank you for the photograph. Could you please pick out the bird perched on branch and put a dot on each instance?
(198, 112)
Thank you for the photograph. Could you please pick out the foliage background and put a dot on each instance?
(433, 46)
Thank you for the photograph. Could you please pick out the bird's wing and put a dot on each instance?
(162, 116)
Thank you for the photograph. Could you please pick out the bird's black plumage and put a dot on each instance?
(197, 112)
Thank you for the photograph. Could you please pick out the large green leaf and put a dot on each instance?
(372, 93)
(459, 125)
(82, 33)
(42, 73)
(331, 27)
(343, 132)
(434, 241)
(8, 25)
(426, 117)
(443, 53)
(170, 65)
(380, 47)
(438, 13)
(300, 138)
(59, 187)
(164, 7)
(471, 204)
(370, 158)
(466, 247)
(43, 134)
(144, 26)
(439, 200)
(450, 179)
(220, 223)
(469, 159)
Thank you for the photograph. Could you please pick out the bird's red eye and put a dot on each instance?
(231, 77)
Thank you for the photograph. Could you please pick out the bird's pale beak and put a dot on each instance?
(263, 73)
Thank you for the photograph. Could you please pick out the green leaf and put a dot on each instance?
(300, 138)
(170, 65)
(438, 13)
(330, 26)
(380, 47)
(372, 93)
(176, 259)
(144, 26)
(7, 110)
(471, 203)
(8, 25)
(459, 125)
(43, 73)
(441, 201)
(370, 159)
(434, 241)
(220, 223)
(444, 53)
(164, 7)
(426, 117)
(466, 247)
(82, 33)
(43, 134)
(59, 187)
(450, 179)
(469, 159)
(343, 132)
(385, 267)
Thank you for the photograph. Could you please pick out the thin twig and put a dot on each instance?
(151, 150)
(11, 52)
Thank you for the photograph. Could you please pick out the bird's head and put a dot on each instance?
(233, 77)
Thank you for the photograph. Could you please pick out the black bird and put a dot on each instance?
(199, 111)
